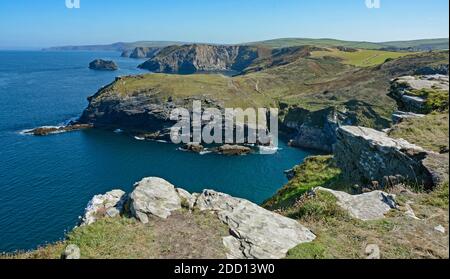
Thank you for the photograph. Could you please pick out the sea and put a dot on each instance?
(46, 182)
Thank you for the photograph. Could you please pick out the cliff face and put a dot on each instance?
(189, 59)
(317, 129)
(370, 156)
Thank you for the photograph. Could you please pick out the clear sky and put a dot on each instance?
(41, 23)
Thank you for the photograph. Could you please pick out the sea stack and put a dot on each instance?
(103, 65)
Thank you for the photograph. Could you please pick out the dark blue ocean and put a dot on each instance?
(46, 182)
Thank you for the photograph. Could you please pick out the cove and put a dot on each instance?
(45, 182)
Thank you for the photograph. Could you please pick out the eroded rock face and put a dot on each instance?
(153, 196)
(368, 155)
(108, 205)
(317, 129)
(188, 59)
(256, 233)
(103, 65)
(367, 206)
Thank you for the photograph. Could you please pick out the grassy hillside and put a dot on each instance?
(361, 57)
(192, 235)
(432, 44)
(430, 132)
(428, 44)
(290, 42)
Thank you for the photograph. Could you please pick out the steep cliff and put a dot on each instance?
(188, 59)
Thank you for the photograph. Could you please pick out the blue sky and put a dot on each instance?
(41, 23)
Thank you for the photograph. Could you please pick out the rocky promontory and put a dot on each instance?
(103, 65)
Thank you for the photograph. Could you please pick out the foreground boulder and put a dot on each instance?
(370, 156)
(103, 65)
(72, 252)
(367, 206)
(256, 233)
(153, 197)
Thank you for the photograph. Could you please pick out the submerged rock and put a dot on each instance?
(103, 65)
(48, 130)
(368, 206)
(233, 150)
(194, 147)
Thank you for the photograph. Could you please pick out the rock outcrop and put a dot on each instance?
(412, 92)
(72, 252)
(317, 129)
(231, 150)
(144, 52)
(256, 233)
(369, 156)
(400, 116)
(108, 205)
(189, 59)
(48, 130)
(103, 65)
(367, 206)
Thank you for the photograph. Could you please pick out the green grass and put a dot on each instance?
(361, 58)
(430, 132)
(290, 42)
(340, 236)
(313, 172)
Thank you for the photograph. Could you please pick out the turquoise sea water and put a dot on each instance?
(45, 182)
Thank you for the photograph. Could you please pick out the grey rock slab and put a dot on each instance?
(153, 196)
(367, 206)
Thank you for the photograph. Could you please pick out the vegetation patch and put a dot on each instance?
(430, 132)
(314, 172)
(340, 236)
(361, 57)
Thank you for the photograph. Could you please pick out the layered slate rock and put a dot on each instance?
(101, 206)
(256, 233)
(153, 197)
(189, 59)
(410, 91)
(367, 206)
(368, 156)
(103, 65)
